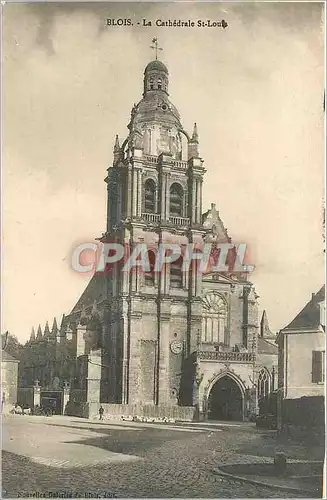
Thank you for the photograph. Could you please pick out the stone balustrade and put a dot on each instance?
(179, 221)
(151, 159)
(175, 163)
(155, 219)
(240, 357)
(180, 164)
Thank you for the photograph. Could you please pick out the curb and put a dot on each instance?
(291, 489)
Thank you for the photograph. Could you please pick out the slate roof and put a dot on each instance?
(5, 356)
(266, 347)
(309, 317)
(156, 66)
(93, 292)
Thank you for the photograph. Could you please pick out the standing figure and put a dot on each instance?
(101, 412)
(3, 401)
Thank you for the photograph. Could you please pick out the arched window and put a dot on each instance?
(149, 196)
(151, 84)
(176, 200)
(159, 83)
(149, 276)
(214, 319)
(176, 274)
(263, 386)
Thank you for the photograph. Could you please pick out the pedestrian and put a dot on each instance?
(101, 412)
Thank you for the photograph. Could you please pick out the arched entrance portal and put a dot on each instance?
(225, 400)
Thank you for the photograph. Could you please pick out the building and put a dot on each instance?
(301, 372)
(176, 338)
(9, 380)
(267, 359)
(46, 358)
(47, 364)
(301, 351)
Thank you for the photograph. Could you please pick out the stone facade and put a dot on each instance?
(9, 380)
(165, 338)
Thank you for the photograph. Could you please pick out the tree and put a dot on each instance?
(44, 360)
(11, 345)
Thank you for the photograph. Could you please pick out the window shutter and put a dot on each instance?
(316, 366)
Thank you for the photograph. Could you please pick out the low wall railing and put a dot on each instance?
(112, 410)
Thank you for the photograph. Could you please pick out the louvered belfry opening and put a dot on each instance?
(176, 200)
(150, 196)
(176, 273)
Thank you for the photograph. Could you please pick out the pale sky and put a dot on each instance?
(255, 90)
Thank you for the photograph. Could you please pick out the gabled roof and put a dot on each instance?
(266, 347)
(309, 317)
(215, 227)
(94, 292)
(5, 356)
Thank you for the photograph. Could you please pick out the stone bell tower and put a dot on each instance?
(154, 196)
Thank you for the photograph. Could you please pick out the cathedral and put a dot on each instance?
(175, 338)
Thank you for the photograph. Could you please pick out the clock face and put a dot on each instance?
(176, 346)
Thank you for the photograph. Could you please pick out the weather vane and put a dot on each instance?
(155, 47)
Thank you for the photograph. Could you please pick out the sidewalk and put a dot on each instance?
(253, 463)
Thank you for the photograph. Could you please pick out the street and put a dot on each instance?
(71, 457)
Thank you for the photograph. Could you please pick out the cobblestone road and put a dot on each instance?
(71, 456)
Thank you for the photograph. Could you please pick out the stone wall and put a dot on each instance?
(306, 411)
(9, 380)
(116, 411)
(304, 418)
(147, 364)
(77, 409)
(25, 396)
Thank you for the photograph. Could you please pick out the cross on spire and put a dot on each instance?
(155, 47)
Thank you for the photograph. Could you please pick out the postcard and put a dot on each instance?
(163, 328)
